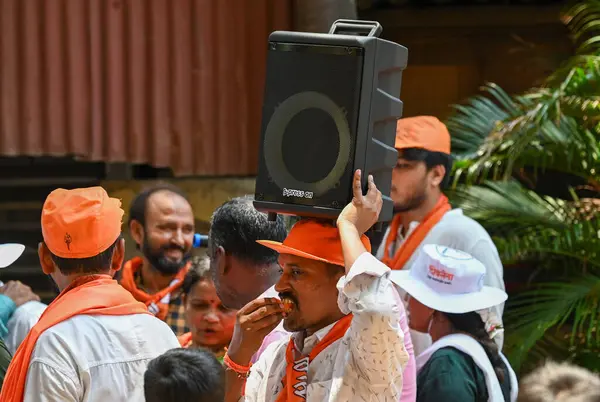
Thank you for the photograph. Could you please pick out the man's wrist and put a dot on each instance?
(347, 226)
(240, 357)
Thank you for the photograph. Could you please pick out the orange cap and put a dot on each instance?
(313, 240)
(80, 223)
(425, 132)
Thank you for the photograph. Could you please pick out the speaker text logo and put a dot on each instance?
(297, 193)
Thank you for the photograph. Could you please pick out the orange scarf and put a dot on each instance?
(88, 295)
(410, 245)
(153, 301)
(295, 382)
(185, 340)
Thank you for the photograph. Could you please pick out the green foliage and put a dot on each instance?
(503, 144)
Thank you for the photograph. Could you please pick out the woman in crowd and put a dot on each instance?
(448, 301)
(211, 323)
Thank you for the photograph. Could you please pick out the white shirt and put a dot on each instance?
(22, 320)
(90, 358)
(366, 364)
(462, 233)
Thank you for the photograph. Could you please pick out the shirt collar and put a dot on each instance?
(305, 345)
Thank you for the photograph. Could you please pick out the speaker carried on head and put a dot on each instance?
(330, 107)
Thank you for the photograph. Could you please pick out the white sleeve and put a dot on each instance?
(376, 338)
(256, 382)
(46, 383)
(22, 320)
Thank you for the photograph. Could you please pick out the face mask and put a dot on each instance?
(421, 340)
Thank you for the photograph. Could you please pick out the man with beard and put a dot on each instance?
(337, 299)
(161, 223)
(423, 214)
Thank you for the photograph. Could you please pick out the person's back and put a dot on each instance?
(93, 342)
(97, 358)
(185, 375)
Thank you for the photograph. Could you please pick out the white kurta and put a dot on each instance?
(96, 358)
(366, 364)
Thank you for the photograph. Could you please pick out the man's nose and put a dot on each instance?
(178, 238)
(282, 284)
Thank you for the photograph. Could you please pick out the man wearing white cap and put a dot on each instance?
(446, 294)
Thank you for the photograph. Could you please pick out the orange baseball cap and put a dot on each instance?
(80, 223)
(313, 240)
(425, 132)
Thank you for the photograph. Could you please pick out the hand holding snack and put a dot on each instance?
(254, 321)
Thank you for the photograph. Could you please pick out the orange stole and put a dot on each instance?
(407, 249)
(295, 382)
(128, 282)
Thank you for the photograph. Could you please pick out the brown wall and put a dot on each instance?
(454, 50)
(174, 83)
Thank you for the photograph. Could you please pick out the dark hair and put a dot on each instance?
(137, 209)
(472, 324)
(237, 225)
(197, 272)
(185, 375)
(431, 159)
(92, 265)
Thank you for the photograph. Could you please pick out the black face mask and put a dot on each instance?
(160, 262)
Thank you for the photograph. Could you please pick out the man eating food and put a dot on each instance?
(341, 306)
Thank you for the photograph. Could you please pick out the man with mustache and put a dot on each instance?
(337, 299)
(423, 214)
(161, 222)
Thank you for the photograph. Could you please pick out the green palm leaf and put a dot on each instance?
(510, 209)
(551, 128)
(574, 302)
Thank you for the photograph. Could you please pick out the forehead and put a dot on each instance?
(203, 289)
(165, 204)
(293, 260)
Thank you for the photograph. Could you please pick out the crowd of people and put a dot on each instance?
(315, 314)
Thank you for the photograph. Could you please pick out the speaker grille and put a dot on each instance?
(310, 113)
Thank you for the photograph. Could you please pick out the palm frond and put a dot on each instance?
(582, 19)
(573, 303)
(509, 209)
(579, 242)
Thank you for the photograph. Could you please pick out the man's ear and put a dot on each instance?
(136, 230)
(221, 258)
(118, 255)
(437, 174)
(46, 262)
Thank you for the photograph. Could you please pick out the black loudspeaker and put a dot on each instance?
(331, 104)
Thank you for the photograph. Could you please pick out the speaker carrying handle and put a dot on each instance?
(356, 27)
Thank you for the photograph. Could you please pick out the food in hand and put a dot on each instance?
(288, 305)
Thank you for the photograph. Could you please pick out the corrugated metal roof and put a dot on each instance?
(169, 83)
